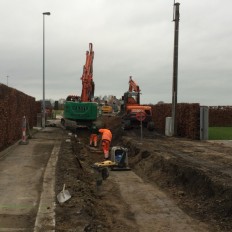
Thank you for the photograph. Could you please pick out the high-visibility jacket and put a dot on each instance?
(106, 134)
(93, 138)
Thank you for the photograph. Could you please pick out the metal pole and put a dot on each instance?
(43, 105)
(141, 125)
(176, 19)
(7, 79)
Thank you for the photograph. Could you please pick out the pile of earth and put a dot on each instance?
(190, 173)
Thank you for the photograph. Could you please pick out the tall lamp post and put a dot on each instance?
(43, 117)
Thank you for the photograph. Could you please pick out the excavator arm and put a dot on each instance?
(133, 95)
(133, 86)
(87, 77)
(82, 111)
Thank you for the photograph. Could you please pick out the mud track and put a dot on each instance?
(192, 178)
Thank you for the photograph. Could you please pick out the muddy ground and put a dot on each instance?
(195, 175)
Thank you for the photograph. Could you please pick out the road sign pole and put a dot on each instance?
(140, 116)
(141, 125)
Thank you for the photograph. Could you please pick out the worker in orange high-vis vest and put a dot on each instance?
(93, 136)
(106, 140)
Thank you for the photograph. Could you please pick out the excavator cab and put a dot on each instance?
(131, 98)
(131, 106)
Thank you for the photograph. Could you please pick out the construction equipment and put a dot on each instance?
(131, 106)
(101, 170)
(106, 163)
(119, 156)
(118, 159)
(106, 109)
(118, 162)
(82, 111)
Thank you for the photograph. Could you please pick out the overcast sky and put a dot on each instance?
(130, 38)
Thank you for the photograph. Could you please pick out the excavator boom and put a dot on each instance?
(133, 86)
(82, 111)
(87, 77)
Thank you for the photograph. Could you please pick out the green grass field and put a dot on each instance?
(220, 133)
(59, 111)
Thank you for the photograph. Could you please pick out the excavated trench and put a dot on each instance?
(195, 175)
(201, 191)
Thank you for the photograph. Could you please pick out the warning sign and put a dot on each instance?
(140, 116)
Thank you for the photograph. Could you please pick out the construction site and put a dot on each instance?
(167, 183)
(144, 177)
(174, 185)
(113, 165)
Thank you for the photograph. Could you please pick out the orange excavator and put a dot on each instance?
(82, 110)
(131, 107)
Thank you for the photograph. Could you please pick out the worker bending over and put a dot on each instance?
(93, 136)
(106, 140)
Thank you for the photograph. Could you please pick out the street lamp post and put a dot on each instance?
(43, 116)
(7, 79)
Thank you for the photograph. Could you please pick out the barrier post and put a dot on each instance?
(24, 128)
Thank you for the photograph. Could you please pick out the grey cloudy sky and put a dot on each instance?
(130, 38)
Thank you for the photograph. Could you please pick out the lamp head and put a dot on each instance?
(46, 13)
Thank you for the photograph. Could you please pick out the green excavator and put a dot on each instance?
(82, 111)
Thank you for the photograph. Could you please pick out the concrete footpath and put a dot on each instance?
(27, 180)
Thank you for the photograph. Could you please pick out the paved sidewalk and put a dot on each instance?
(27, 177)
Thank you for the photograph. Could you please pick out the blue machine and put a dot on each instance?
(119, 155)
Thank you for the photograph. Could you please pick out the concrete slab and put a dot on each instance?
(23, 171)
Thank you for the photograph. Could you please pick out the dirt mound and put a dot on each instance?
(200, 189)
(196, 174)
(114, 124)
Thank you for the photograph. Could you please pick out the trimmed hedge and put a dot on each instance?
(13, 106)
(220, 116)
(188, 119)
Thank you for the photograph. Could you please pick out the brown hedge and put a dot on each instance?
(13, 106)
(220, 116)
(188, 119)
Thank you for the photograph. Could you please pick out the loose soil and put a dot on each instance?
(193, 175)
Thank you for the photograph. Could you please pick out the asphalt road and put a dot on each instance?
(26, 186)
